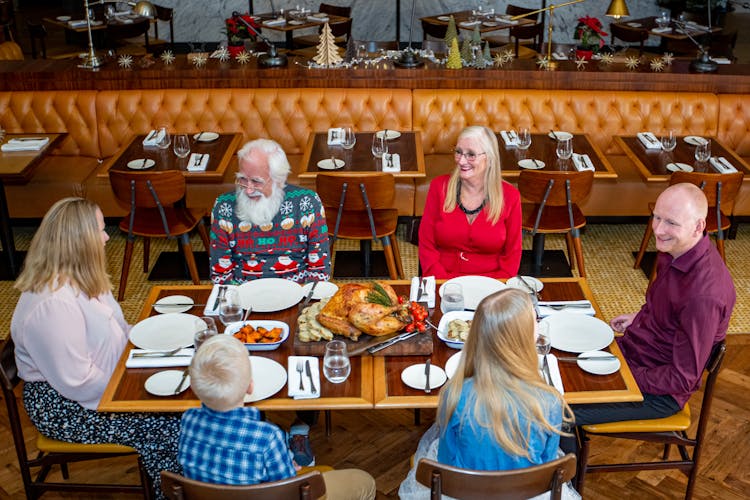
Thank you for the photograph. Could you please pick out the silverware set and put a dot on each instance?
(160, 354)
(427, 388)
(219, 296)
(574, 359)
(198, 158)
(561, 307)
(308, 371)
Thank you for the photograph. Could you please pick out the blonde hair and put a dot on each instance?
(220, 372)
(500, 356)
(67, 249)
(493, 178)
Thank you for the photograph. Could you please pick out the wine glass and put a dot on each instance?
(206, 328)
(349, 138)
(164, 139)
(564, 149)
(703, 151)
(668, 141)
(181, 145)
(453, 298)
(336, 366)
(524, 138)
(230, 309)
(543, 344)
(379, 145)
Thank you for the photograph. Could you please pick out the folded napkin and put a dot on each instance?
(198, 162)
(506, 20)
(722, 165)
(428, 292)
(391, 162)
(78, 23)
(510, 138)
(209, 310)
(721, 60)
(665, 29)
(559, 56)
(469, 24)
(275, 22)
(545, 311)
(649, 140)
(317, 19)
(582, 162)
(180, 358)
(554, 373)
(293, 377)
(28, 144)
(126, 21)
(153, 138)
(335, 136)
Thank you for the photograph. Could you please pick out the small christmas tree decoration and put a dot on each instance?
(351, 50)
(454, 56)
(243, 57)
(223, 54)
(657, 64)
(668, 57)
(487, 54)
(606, 59)
(167, 57)
(632, 62)
(466, 51)
(125, 61)
(200, 59)
(451, 32)
(581, 63)
(476, 36)
(328, 52)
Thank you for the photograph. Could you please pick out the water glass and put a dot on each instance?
(564, 149)
(349, 139)
(668, 141)
(181, 145)
(524, 139)
(230, 309)
(379, 145)
(703, 151)
(206, 328)
(542, 340)
(336, 366)
(453, 298)
(164, 138)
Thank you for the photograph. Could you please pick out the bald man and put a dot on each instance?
(667, 343)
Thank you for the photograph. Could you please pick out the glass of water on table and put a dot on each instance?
(452, 298)
(336, 366)
(205, 328)
(230, 309)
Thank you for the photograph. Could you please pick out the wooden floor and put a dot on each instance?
(382, 442)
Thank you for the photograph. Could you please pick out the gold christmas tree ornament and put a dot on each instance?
(657, 64)
(632, 62)
(328, 53)
(542, 62)
(499, 60)
(507, 55)
(581, 63)
(243, 57)
(607, 59)
(668, 57)
(167, 57)
(125, 61)
(454, 56)
(200, 60)
(223, 54)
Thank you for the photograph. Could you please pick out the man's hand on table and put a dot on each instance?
(622, 322)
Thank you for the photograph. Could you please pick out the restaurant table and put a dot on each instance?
(73, 33)
(17, 167)
(360, 158)
(374, 382)
(288, 28)
(651, 163)
(486, 26)
(649, 23)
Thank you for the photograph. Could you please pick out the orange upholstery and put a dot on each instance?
(10, 51)
(680, 421)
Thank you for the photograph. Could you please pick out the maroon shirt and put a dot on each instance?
(687, 311)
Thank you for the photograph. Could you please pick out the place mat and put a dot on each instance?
(417, 345)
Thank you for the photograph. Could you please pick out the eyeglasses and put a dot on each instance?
(255, 182)
(470, 156)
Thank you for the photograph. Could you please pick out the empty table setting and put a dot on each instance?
(487, 21)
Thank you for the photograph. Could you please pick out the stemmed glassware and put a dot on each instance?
(379, 145)
(230, 309)
(336, 365)
(543, 347)
(564, 149)
(206, 329)
(668, 141)
(524, 139)
(703, 151)
(181, 145)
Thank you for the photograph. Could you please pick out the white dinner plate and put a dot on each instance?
(296, 22)
(531, 164)
(323, 290)
(414, 376)
(515, 282)
(165, 383)
(475, 288)
(63, 19)
(328, 164)
(561, 135)
(206, 136)
(634, 25)
(445, 320)
(141, 164)
(392, 134)
(269, 294)
(444, 18)
(452, 364)
(490, 24)
(676, 167)
(573, 332)
(269, 377)
(165, 332)
(695, 140)
(603, 367)
(163, 305)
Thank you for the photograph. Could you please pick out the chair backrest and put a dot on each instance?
(10, 51)
(380, 188)
(527, 32)
(342, 29)
(512, 484)
(305, 486)
(335, 10)
(434, 30)
(118, 31)
(165, 14)
(148, 189)
(723, 44)
(720, 189)
(627, 34)
(515, 10)
(533, 184)
(37, 33)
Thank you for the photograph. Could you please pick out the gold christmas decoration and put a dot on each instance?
(507, 55)
(454, 56)
(632, 62)
(125, 61)
(200, 60)
(243, 57)
(223, 54)
(499, 61)
(167, 57)
(542, 62)
(581, 63)
(657, 64)
(451, 32)
(668, 57)
(328, 52)
(607, 59)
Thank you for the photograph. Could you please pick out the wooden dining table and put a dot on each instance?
(675, 33)
(374, 382)
(291, 25)
(486, 25)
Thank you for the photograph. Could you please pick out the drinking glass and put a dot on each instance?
(524, 138)
(349, 139)
(564, 149)
(336, 366)
(181, 145)
(453, 298)
(668, 141)
(379, 145)
(204, 332)
(543, 344)
(703, 151)
(164, 138)
(230, 309)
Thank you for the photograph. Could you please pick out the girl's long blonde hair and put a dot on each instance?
(67, 249)
(493, 178)
(500, 356)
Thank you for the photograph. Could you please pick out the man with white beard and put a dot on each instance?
(267, 228)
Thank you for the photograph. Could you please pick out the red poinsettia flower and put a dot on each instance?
(589, 32)
(237, 31)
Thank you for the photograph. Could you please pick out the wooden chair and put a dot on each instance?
(305, 486)
(123, 38)
(10, 51)
(721, 192)
(511, 10)
(163, 14)
(8, 20)
(155, 201)
(666, 431)
(362, 207)
(435, 31)
(628, 35)
(341, 31)
(528, 33)
(511, 484)
(38, 36)
(723, 44)
(52, 452)
(554, 198)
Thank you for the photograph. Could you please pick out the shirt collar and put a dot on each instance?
(687, 260)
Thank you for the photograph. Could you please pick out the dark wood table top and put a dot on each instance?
(291, 25)
(652, 163)
(360, 158)
(649, 23)
(486, 26)
(17, 167)
(543, 148)
(95, 24)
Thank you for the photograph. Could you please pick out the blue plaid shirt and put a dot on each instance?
(232, 447)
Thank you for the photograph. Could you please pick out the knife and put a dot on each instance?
(25, 139)
(554, 135)
(219, 296)
(180, 304)
(150, 135)
(536, 162)
(427, 388)
(588, 358)
(308, 371)
(421, 290)
(185, 374)
(525, 283)
(390, 342)
(159, 355)
(198, 137)
(545, 370)
(310, 294)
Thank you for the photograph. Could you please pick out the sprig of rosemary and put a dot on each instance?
(378, 295)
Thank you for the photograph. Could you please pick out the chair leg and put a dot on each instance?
(720, 247)
(644, 244)
(389, 258)
(583, 458)
(571, 251)
(328, 423)
(397, 258)
(146, 253)
(125, 269)
(204, 235)
(64, 470)
(187, 250)
(578, 247)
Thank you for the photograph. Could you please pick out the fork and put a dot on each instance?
(299, 370)
(158, 354)
(560, 307)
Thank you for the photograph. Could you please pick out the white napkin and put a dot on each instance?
(722, 165)
(335, 136)
(198, 162)
(293, 377)
(559, 56)
(666, 29)
(721, 60)
(582, 162)
(181, 358)
(30, 144)
(391, 162)
(317, 19)
(506, 20)
(469, 24)
(153, 138)
(209, 310)
(428, 293)
(649, 140)
(554, 373)
(126, 21)
(510, 138)
(78, 23)
(275, 22)
(545, 311)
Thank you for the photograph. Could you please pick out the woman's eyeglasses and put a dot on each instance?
(470, 156)
(255, 182)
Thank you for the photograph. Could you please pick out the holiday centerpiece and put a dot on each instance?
(589, 32)
(237, 32)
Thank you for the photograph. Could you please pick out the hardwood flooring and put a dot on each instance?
(382, 443)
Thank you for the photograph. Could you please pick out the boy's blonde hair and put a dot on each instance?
(220, 373)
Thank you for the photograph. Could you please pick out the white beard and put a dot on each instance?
(258, 210)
